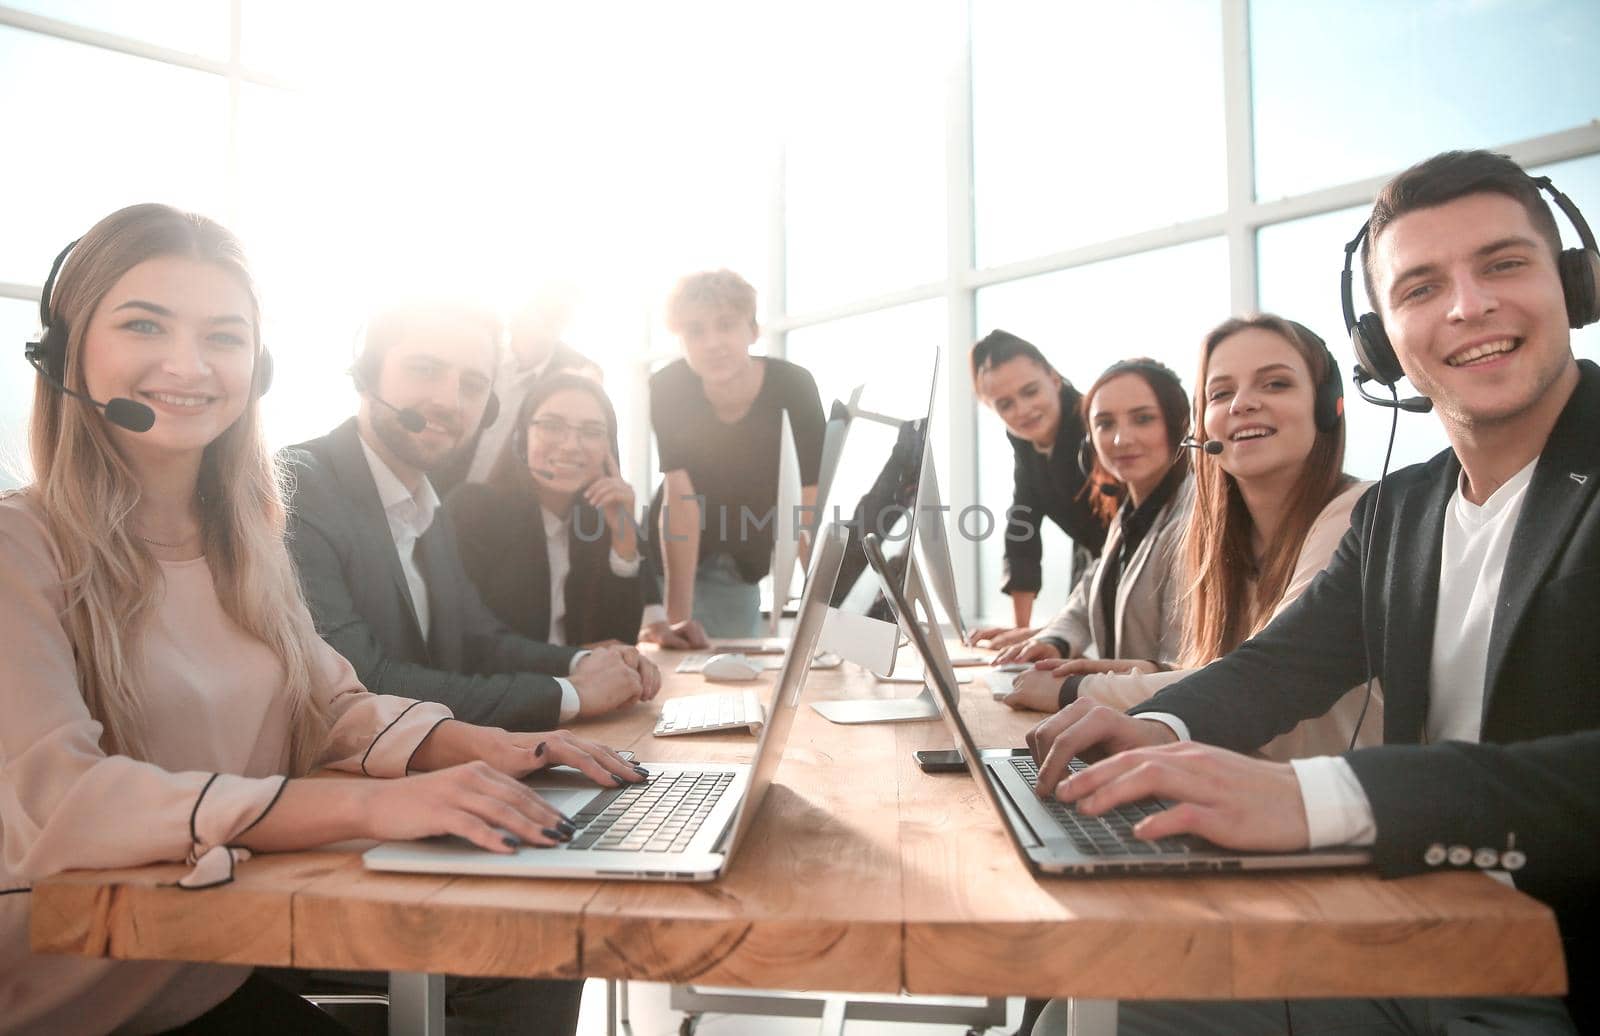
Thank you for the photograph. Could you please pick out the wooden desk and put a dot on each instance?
(862, 874)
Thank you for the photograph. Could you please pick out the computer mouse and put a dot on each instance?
(729, 668)
(827, 660)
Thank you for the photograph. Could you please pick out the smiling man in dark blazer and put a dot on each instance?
(378, 558)
(1472, 582)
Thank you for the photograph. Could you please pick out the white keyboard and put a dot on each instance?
(721, 710)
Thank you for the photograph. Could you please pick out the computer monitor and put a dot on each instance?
(786, 524)
(873, 488)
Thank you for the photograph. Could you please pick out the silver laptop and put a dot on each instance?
(1053, 837)
(684, 823)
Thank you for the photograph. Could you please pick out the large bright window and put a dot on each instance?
(1347, 89)
(88, 131)
(865, 175)
(1093, 120)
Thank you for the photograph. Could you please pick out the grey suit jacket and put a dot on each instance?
(1149, 624)
(350, 570)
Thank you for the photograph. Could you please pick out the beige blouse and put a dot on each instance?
(218, 733)
(1328, 734)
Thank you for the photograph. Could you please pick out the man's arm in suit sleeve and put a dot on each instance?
(523, 701)
(1295, 669)
(1545, 792)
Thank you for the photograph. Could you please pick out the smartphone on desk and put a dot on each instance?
(940, 760)
(947, 760)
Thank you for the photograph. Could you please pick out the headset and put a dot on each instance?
(364, 372)
(1152, 368)
(48, 355)
(1327, 411)
(1579, 269)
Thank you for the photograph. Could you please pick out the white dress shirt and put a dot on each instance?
(558, 548)
(409, 515)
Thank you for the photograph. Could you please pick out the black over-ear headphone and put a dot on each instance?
(48, 354)
(1579, 269)
(1155, 369)
(1328, 411)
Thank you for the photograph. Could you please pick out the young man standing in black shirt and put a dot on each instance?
(717, 415)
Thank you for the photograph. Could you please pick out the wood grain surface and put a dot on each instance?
(861, 874)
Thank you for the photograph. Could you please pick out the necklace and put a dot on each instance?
(170, 546)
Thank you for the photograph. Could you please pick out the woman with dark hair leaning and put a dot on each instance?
(165, 688)
(1269, 510)
(1138, 480)
(550, 540)
(1044, 424)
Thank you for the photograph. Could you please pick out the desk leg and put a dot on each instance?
(1091, 1017)
(416, 1004)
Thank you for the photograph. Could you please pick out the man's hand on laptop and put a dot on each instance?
(1233, 800)
(605, 682)
(687, 635)
(1087, 729)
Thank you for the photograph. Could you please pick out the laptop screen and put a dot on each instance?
(826, 555)
(939, 674)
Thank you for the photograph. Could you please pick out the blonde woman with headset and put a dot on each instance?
(165, 688)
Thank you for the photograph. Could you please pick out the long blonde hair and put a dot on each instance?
(1223, 608)
(88, 492)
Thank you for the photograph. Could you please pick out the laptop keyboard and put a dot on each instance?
(1110, 833)
(660, 815)
(694, 713)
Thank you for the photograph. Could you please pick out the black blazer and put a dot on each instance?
(1047, 487)
(350, 570)
(1536, 774)
(502, 540)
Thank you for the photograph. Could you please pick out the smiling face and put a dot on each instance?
(179, 336)
(1260, 398)
(567, 441)
(1472, 301)
(716, 340)
(1130, 435)
(441, 366)
(1027, 397)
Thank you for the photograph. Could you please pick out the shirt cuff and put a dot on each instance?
(1059, 643)
(1178, 727)
(624, 569)
(1337, 810)
(653, 613)
(569, 698)
(1069, 690)
(572, 666)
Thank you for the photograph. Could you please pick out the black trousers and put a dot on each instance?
(261, 1008)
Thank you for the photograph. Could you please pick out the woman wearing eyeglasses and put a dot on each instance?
(551, 540)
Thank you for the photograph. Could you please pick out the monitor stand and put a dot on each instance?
(920, 708)
(880, 710)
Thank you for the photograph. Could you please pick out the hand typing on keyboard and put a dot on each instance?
(1231, 799)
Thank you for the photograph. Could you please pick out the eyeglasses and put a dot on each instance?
(553, 430)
